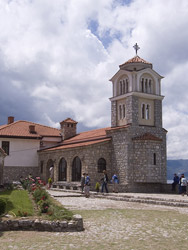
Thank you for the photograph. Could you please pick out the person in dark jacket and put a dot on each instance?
(175, 182)
(104, 181)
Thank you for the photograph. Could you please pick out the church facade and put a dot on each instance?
(134, 147)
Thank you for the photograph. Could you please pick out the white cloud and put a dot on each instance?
(56, 58)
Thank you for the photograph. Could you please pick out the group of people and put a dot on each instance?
(181, 182)
(85, 183)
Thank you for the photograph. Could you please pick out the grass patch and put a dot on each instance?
(18, 202)
(56, 211)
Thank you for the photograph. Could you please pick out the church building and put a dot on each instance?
(134, 147)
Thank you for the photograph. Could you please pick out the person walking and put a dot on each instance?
(115, 183)
(83, 182)
(104, 181)
(87, 186)
(175, 182)
(183, 185)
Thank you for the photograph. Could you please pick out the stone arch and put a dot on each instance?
(101, 165)
(76, 169)
(62, 170)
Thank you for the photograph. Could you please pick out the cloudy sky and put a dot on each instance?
(56, 58)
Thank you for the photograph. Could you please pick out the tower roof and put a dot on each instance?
(69, 120)
(135, 60)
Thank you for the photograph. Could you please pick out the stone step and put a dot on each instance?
(129, 198)
(174, 203)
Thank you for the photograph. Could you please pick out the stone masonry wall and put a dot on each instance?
(141, 157)
(144, 169)
(76, 224)
(120, 148)
(13, 173)
(158, 113)
(132, 110)
(132, 160)
(114, 113)
(89, 157)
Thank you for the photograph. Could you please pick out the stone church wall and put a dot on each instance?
(120, 156)
(89, 157)
(133, 160)
(144, 173)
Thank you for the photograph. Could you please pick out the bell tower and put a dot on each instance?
(137, 98)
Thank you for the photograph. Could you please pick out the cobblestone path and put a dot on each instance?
(110, 224)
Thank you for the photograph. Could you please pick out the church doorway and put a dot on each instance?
(76, 169)
(62, 170)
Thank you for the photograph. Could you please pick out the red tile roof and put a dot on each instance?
(79, 144)
(135, 59)
(69, 120)
(21, 129)
(84, 139)
(88, 135)
(147, 136)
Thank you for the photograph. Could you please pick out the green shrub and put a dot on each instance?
(44, 205)
(59, 213)
(2, 206)
(40, 194)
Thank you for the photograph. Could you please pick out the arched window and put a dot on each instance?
(149, 87)
(123, 86)
(62, 170)
(120, 112)
(154, 159)
(127, 86)
(145, 111)
(76, 169)
(123, 110)
(146, 85)
(101, 165)
(142, 85)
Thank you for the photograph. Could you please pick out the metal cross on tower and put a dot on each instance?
(136, 47)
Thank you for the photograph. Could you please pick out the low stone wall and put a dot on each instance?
(76, 224)
(13, 173)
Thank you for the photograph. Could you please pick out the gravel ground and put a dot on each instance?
(79, 202)
(110, 224)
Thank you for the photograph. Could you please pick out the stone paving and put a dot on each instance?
(111, 224)
(77, 201)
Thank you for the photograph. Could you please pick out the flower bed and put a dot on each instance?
(52, 216)
(46, 205)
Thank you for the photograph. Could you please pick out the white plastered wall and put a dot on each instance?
(22, 152)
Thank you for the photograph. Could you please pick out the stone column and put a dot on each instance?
(69, 170)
